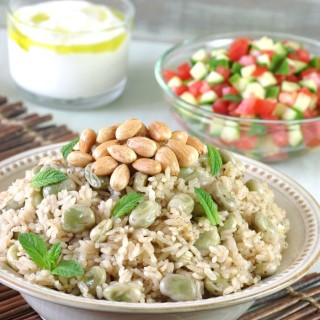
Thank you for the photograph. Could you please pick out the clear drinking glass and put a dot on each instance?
(69, 54)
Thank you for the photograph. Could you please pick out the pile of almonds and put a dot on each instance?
(117, 149)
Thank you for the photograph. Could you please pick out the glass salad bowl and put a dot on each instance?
(285, 132)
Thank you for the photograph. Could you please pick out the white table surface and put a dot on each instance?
(143, 99)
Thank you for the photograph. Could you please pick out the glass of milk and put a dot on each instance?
(69, 53)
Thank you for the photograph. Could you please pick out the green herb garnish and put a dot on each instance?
(65, 150)
(47, 177)
(232, 97)
(215, 160)
(208, 205)
(126, 204)
(46, 259)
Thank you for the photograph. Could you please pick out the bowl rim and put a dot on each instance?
(273, 284)
(215, 37)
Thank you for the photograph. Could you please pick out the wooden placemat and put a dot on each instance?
(21, 131)
(299, 301)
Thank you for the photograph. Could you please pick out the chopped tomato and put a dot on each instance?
(238, 48)
(218, 88)
(280, 78)
(205, 87)
(225, 72)
(247, 107)
(280, 138)
(292, 78)
(303, 55)
(270, 53)
(232, 107)
(195, 88)
(308, 71)
(229, 90)
(313, 76)
(180, 90)
(184, 71)
(260, 70)
(220, 106)
(308, 113)
(311, 134)
(169, 74)
(264, 108)
(287, 98)
(247, 60)
(246, 143)
(305, 91)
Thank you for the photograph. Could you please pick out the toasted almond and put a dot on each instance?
(187, 156)
(107, 133)
(104, 166)
(102, 149)
(142, 146)
(143, 132)
(122, 153)
(159, 131)
(147, 166)
(168, 159)
(79, 159)
(87, 140)
(128, 129)
(120, 177)
(180, 135)
(197, 144)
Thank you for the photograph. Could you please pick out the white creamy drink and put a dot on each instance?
(68, 49)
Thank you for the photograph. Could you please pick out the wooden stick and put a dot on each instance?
(13, 151)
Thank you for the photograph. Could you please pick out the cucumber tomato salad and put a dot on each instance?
(261, 79)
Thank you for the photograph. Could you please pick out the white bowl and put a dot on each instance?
(303, 251)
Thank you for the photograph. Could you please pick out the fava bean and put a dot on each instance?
(97, 182)
(94, 277)
(125, 292)
(12, 257)
(216, 287)
(144, 215)
(183, 203)
(140, 180)
(207, 239)
(178, 287)
(265, 269)
(13, 204)
(37, 197)
(228, 157)
(185, 172)
(230, 223)
(256, 185)
(77, 218)
(55, 188)
(98, 233)
(266, 227)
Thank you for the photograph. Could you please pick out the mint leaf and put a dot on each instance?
(53, 254)
(68, 269)
(65, 150)
(232, 97)
(35, 247)
(215, 160)
(47, 177)
(208, 205)
(126, 204)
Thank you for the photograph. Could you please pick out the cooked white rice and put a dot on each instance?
(144, 256)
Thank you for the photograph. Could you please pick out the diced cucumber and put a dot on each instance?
(254, 89)
(216, 127)
(280, 109)
(264, 60)
(292, 44)
(199, 71)
(264, 43)
(248, 71)
(280, 49)
(295, 135)
(276, 61)
(236, 67)
(302, 102)
(284, 68)
(214, 78)
(297, 65)
(314, 62)
(174, 82)
(313, 103)
(219, 53)
(230, 132)
(189, 97)
(310, 84)
(267, 79)
(289, 114)
(199, 56)
(239, 83)
(272, 92)
(208, 98)
(289, 86)
(213, 63)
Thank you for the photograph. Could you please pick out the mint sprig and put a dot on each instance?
(208, 205)
(126, 204)
(47, 177)
(66, 149)
(46, 259)
(215, 160)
